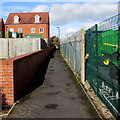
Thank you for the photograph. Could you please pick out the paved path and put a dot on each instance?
(58, 97)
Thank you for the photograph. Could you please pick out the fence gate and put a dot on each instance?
(103, 64)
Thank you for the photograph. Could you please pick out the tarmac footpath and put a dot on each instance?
(59, 96)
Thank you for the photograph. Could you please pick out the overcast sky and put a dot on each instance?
(69, 15)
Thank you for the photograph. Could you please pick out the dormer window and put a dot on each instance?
(37, 19)
(16, 19)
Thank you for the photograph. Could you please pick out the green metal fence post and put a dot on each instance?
(96, 38)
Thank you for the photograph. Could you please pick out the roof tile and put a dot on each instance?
(28, 18)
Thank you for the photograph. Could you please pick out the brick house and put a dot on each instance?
(2, 28)
(28, 24)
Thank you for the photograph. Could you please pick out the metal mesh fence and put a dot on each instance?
(103, 66)
(70, 48)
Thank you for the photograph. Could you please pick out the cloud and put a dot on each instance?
(25, 11)
(87, 25)
(40, 8)
(70, 31)
(72, 17)
(87, 12)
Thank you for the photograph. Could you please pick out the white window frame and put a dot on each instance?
(11, 29)
(41, 31)
(20, 30)
(32, 30)
(16, 19)
(37, 19)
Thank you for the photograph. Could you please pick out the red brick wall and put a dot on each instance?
(6, 80)
(16, 72)
(27, 29)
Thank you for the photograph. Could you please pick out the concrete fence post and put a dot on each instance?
(82, 33)
(69, 49)
(74, 50)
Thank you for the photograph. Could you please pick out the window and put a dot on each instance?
(11, 29)
(32, 30)
(37, 19)
(41, 30)
(16, 19)
(19, 30)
